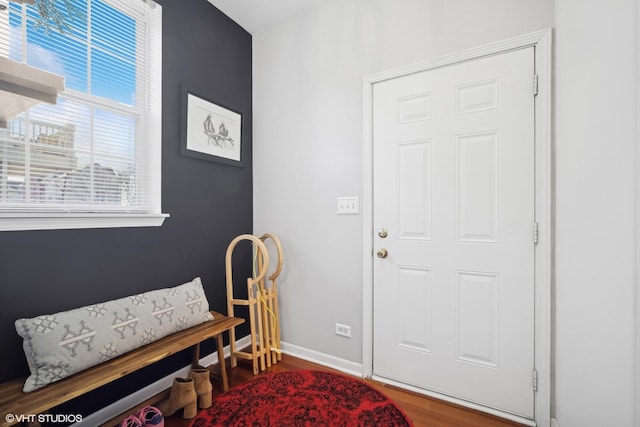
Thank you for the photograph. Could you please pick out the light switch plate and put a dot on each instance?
(349, 205)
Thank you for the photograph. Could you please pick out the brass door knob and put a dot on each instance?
(382, 253)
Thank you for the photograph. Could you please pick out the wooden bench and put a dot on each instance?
(14, 401)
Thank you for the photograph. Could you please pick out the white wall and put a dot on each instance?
(308, 151)
(308, 136)
(596, 123)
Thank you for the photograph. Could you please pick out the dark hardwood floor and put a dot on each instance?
(424, 411)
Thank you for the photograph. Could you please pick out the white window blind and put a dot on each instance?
(96, 150)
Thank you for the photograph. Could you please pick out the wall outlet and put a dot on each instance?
(343, 330)
(349, 205)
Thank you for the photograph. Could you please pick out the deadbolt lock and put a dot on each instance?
(383, 233)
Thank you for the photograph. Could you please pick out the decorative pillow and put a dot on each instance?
(61, 344)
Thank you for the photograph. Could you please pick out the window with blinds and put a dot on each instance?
(93, 151)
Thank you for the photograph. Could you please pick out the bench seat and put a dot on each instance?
(14, 401)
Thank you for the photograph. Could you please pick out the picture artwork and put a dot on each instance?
(213, 130)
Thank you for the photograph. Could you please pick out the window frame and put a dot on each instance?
(27, 219)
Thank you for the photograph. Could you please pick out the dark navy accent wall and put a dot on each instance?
(43, 272)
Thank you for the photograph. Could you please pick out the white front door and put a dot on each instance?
(453, 188)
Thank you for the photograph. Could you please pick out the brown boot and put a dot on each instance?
(183, 395)
(202, 378)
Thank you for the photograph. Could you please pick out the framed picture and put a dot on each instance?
(210, 131)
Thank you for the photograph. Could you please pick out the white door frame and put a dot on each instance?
(637, 226)
(542, 42)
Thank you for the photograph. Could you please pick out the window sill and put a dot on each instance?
(64, 221)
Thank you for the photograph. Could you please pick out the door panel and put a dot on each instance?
(454, 186)
(414, 190)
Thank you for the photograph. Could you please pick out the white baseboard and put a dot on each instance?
(105, 414)
(343, 365)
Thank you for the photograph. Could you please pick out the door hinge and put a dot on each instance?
(535, 233)
(535, 84)
(535, 380)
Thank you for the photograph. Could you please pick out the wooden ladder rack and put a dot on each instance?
(262, 303)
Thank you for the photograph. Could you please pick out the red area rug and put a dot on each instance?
(302, 398)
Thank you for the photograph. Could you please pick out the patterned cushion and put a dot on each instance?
(61, 344)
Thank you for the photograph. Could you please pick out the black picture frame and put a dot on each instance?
(209, 130)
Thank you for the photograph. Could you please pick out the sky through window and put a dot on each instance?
(93, 58)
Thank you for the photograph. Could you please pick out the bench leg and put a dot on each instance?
(223, 367)
(196, 356)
